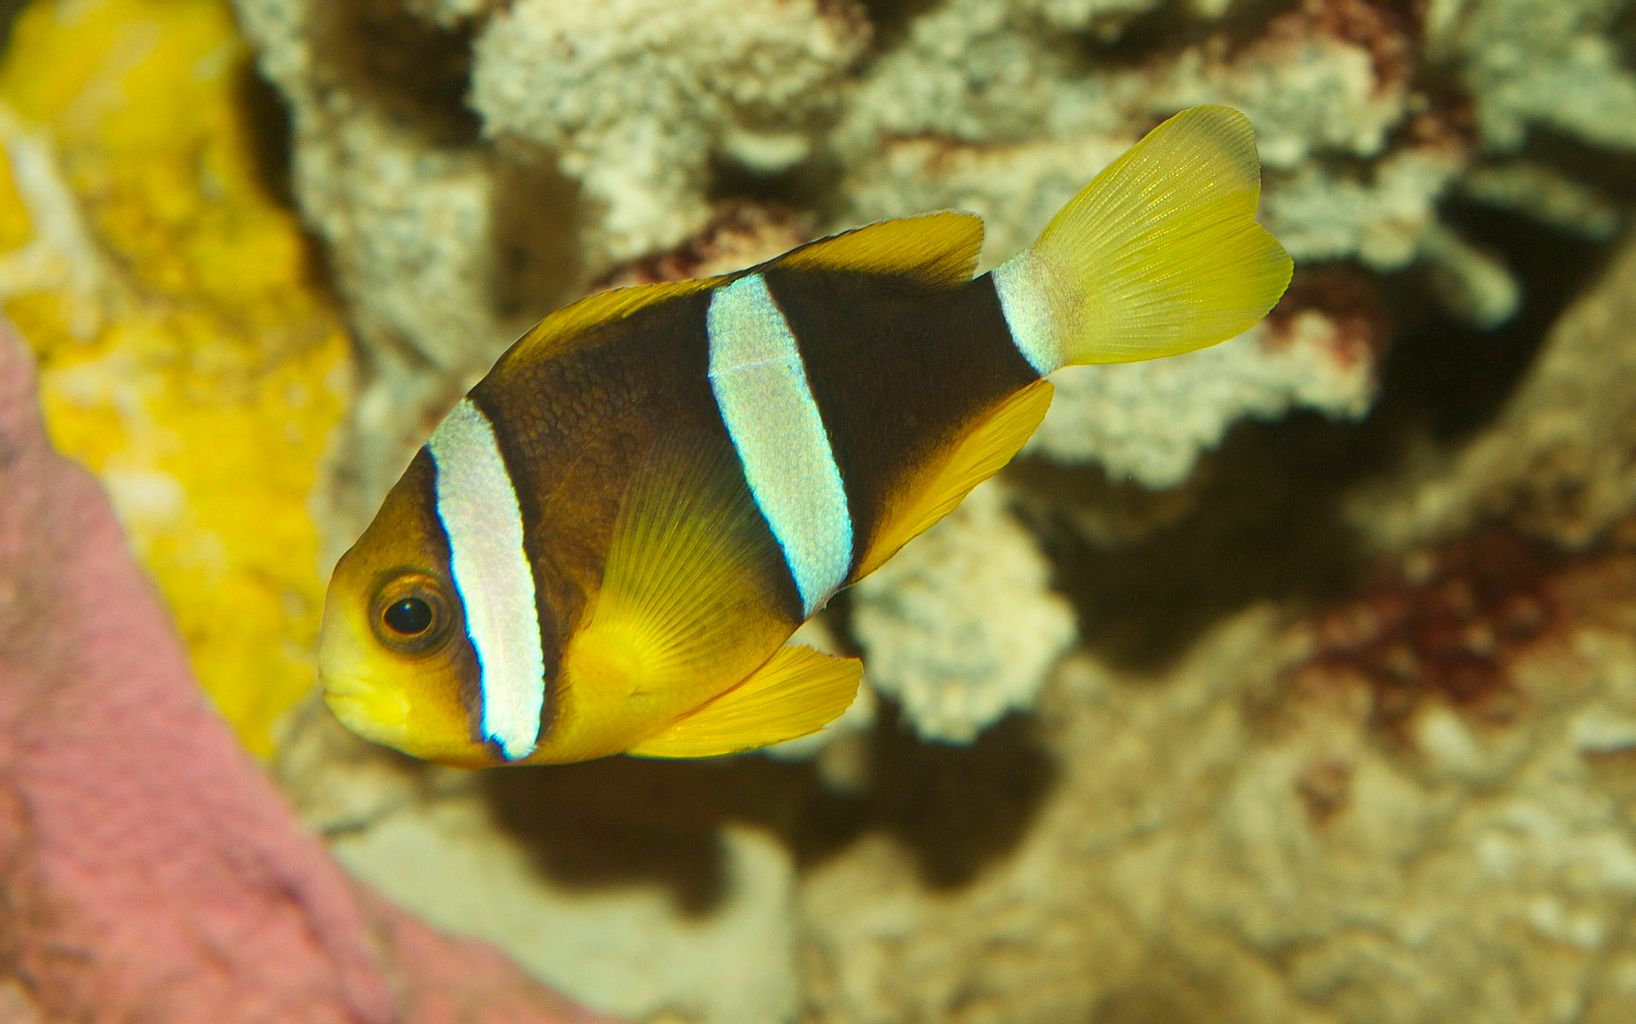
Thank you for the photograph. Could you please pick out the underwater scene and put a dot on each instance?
(817, 511)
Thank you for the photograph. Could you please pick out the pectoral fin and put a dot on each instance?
(798, 692)
(686, 586)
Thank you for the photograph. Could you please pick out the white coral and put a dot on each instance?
(961, 627)
(637, 98)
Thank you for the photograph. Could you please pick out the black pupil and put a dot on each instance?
(410, 616)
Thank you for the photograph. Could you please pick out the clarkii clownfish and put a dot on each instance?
(606, 545)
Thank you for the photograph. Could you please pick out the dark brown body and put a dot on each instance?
(898, 369)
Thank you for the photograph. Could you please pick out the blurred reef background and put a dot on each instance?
(1294, 680)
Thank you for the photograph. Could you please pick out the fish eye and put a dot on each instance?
(411, 613)
(409, 617)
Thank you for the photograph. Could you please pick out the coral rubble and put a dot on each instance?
(942, 656)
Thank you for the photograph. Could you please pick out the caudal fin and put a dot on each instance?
(1159, 255)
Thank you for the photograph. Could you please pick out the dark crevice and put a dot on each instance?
(1623, 34)
(536, 216)
(416, 74)
(889, 20)
(268, 122)
(955, 809)
(9, 10)
(1171, 28)
(805, 186)
(1269, 531)
(1609, 172)
(1450, 378)
(625, 822)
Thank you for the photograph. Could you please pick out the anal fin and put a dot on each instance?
(797, 692)
(982, 452)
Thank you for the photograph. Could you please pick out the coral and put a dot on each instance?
(1557, 462)
(1530, 66)
(1193, 860)
(1346, 750)
(1447, 626)
(737, 235)
(643, 102)
(189, 358)
(458, 216)
(1149, 421)
(737, 964)
(606, 880)
(148, 870)
(461, 204)
(1342, 812)
(955, 664)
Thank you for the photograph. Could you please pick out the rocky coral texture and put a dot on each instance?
(1343, 808)
(190, 357)
(148, 870)
(1329, 723)
(472, 165)
(1342, 814)
(643, 101)
(945, 658)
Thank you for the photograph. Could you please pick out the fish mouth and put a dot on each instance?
(375, 712)
(369, 712)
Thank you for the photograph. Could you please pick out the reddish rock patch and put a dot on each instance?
(1446, 626)
(1348, 298)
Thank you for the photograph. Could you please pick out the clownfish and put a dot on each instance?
(606, 545)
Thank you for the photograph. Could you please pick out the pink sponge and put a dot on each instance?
(148, 870)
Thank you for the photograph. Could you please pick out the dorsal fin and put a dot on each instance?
(560, 328)
(938, 249)
(982, 452)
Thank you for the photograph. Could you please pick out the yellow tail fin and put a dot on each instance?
(1159, 255)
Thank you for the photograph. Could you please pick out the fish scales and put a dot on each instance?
(898, 370)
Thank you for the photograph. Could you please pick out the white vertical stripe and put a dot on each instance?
(1022, 285)
(479, 510)
(761, 389)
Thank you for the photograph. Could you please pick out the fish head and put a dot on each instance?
(397, 664)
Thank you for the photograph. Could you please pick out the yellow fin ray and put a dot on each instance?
(797, 692)
(938, 249)
(982, 452)
(1161, 253)
(684, 571)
